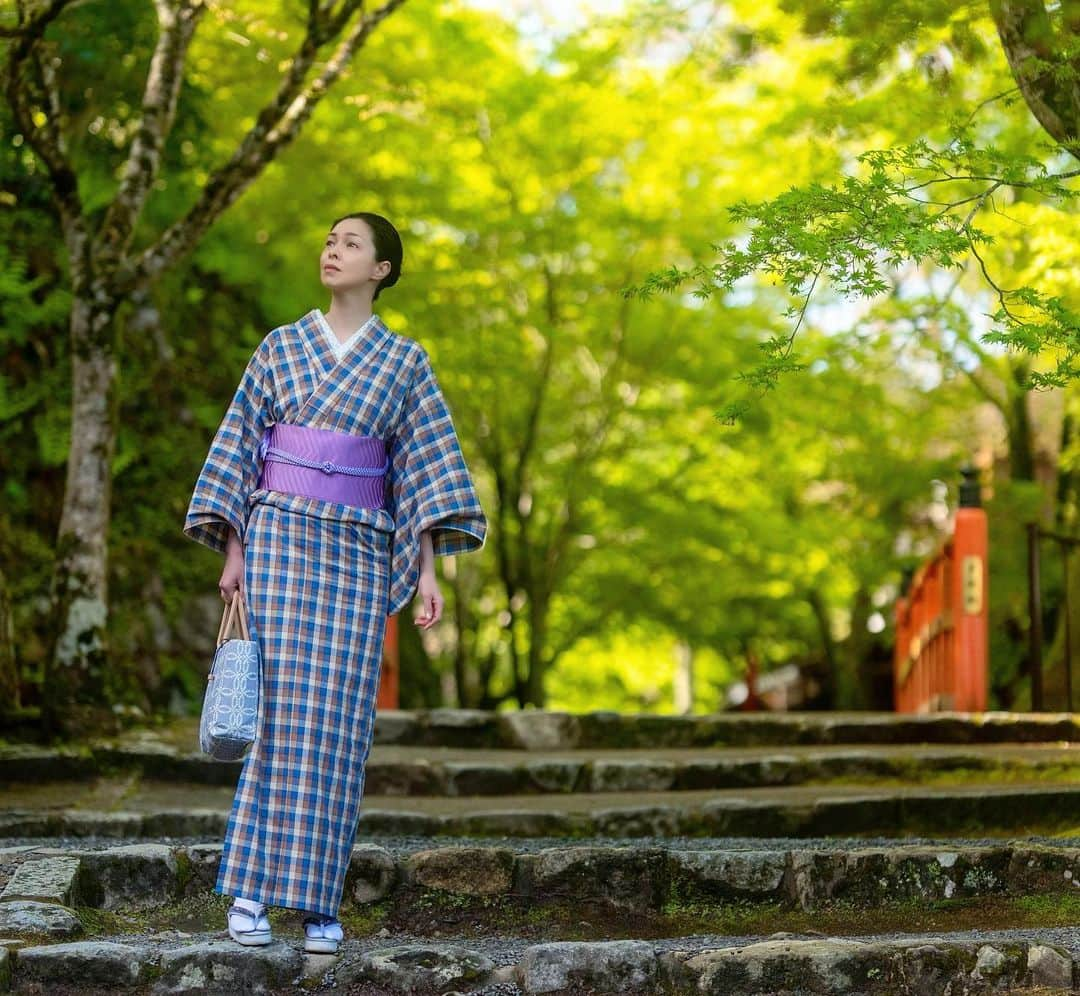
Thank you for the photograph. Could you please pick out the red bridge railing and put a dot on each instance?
(940, 657)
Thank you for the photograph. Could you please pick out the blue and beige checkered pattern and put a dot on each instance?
(383, 386)
(429, 487)
(314, 590)
(321, 578)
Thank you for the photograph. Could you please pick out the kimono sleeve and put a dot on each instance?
(231, 469)
(429, 486)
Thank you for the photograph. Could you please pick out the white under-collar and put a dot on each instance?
(341, 348)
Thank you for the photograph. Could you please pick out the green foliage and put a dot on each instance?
(553, 206)
(856, 231)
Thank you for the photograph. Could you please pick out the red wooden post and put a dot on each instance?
(387, 696)
(918, 641)
(934, 663)
(971, 620)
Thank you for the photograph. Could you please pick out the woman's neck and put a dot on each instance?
(346, 318)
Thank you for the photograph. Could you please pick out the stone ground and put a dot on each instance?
(132, 806)
(519, 854)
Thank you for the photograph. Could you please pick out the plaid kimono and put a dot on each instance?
(321, 578)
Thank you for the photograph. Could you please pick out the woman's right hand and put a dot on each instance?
(232, 576)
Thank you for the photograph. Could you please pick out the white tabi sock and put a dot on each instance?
(248, 904)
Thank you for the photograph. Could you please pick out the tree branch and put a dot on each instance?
(587, 450)
(508, 571)
(989, 100)
(177, 22)
(976, 376)
(536, 404)
(42, 128)
(276, 126)
(34, 27)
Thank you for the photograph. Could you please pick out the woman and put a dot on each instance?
(334, 479)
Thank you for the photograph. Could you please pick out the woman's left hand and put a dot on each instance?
(431, 600)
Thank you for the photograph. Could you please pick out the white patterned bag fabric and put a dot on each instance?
(231, 706)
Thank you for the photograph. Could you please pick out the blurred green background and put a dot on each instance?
(537, 166)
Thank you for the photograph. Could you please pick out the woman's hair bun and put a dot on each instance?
(387, 244)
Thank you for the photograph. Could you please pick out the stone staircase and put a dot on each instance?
(501, 854)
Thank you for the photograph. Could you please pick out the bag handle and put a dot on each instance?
(233, 609)
(241, 613)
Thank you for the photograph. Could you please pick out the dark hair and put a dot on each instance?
(387, 245)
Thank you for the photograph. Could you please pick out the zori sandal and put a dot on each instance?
(246, 927)
(322, 934)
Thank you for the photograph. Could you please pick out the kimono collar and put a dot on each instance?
(323, 342)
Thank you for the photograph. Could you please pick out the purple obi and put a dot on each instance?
(321, 463)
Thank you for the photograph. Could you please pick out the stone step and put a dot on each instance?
(1018, 962)
(536, 729)
(141, 919)
(625, 874)
(449, 771)
(154, 809)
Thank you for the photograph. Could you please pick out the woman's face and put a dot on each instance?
(348, 259)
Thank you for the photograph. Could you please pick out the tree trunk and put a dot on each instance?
(464, 688)
(9, 675)
(1018, 422)
(418, 681)
(1035, 447)
(1037, 52)
(857, 652)
(829, 690)
(1055, 660)
(684, 678)
(537, 662)
(75, 700)
(103, 273)
(1064, 513)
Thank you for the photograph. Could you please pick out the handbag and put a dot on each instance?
(230, 709)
